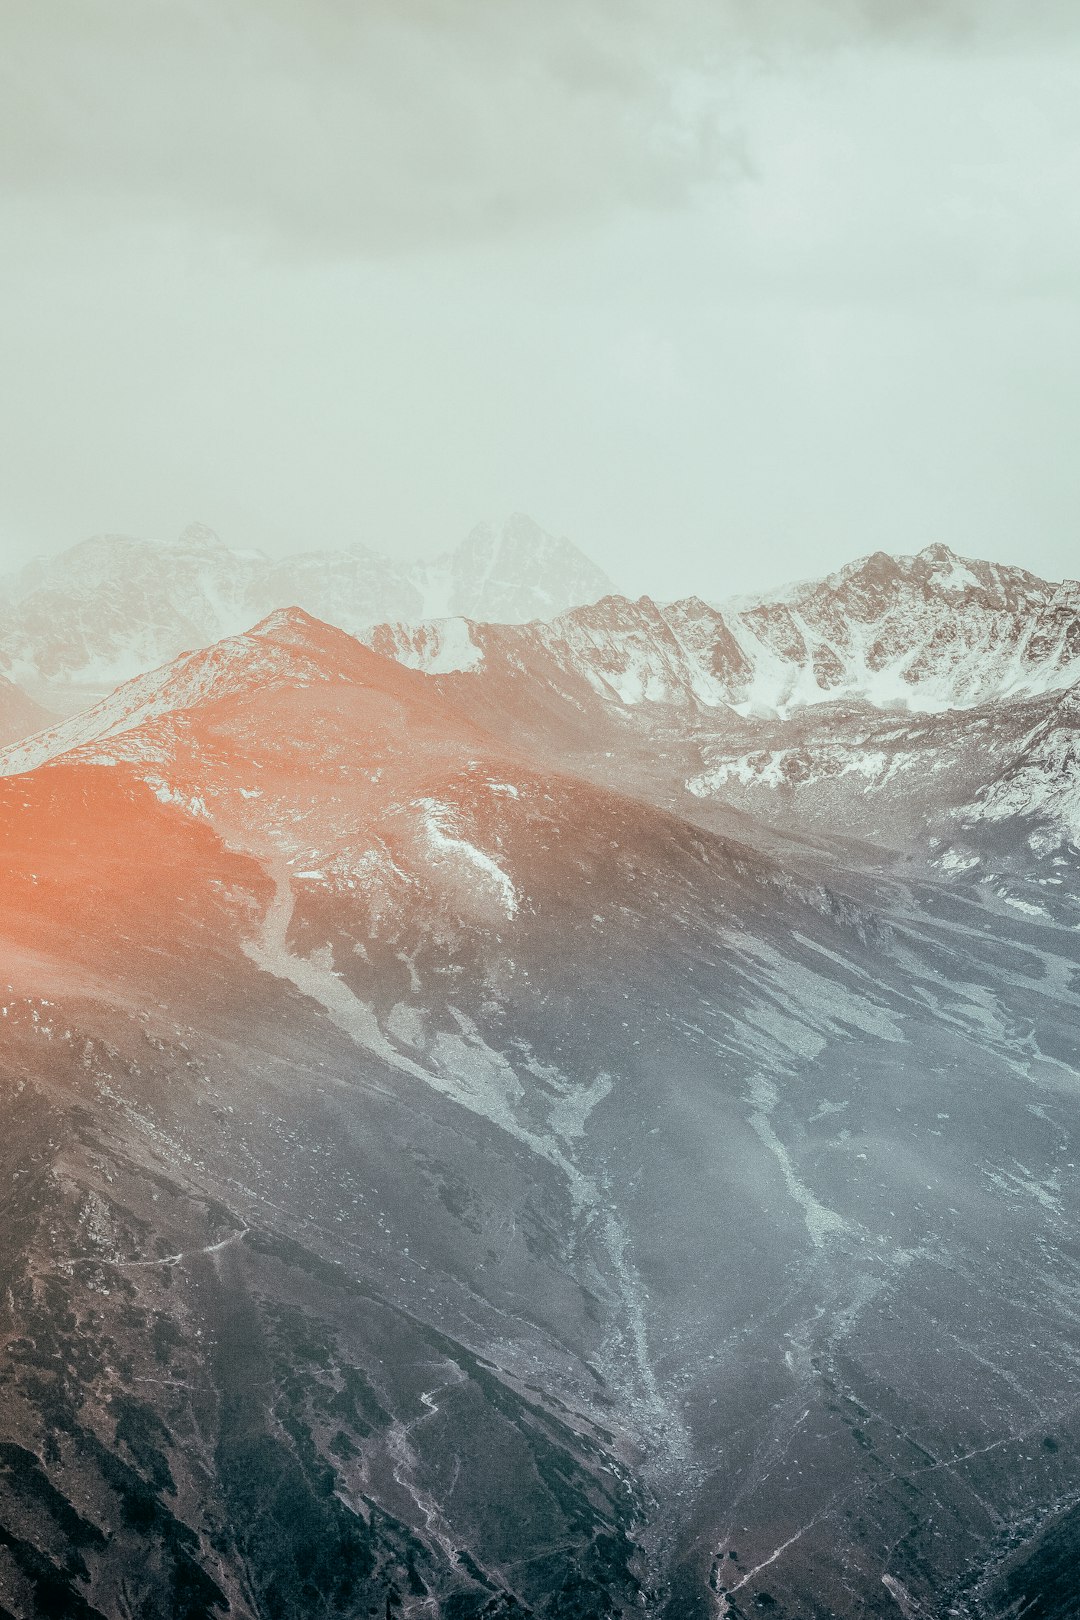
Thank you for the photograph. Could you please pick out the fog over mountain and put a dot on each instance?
(540, 810)
(115, 605)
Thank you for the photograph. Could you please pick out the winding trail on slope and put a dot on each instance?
(159, 1260)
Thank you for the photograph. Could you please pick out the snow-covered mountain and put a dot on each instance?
(920, 704)
(113, 607)
(1039, 787)
(924, 633)
(928, 632)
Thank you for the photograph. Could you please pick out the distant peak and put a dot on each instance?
(520, 523)
(518, 526)
(290, 622)
(201, 535)
(612, 610)
(879, 565)
(938, 553)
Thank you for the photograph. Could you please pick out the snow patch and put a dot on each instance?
(444, 838)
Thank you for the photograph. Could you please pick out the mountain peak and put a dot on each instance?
(201, 537)
(517, 530)
(289, 622)
(514, 521)
(311, 641)
(516, 571)
(938, 552)
(520, 526)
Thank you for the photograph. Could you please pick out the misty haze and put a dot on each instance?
(540, 811)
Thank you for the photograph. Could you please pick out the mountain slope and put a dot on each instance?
(443, 1185)
(1039, 787)
(221, 1392)
(287, 649)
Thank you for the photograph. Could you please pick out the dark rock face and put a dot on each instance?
(437, 1183)
(214, 1415)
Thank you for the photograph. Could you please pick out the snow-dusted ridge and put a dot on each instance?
(306, 749)
(287, 647)
(924, 634)
(1042, 783)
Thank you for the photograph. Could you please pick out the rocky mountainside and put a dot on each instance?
(440, 1183)
(924, 634)
(921, 704)
(995, 785)
(289, 649)
(929, 632)
(1040, 785)
(114, 607)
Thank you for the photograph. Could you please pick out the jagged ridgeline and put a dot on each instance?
(570, 1118)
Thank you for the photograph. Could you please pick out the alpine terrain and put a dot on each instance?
(522, 1102)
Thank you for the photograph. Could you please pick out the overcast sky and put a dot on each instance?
(729, 292)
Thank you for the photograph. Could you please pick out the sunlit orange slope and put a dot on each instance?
(295, 744)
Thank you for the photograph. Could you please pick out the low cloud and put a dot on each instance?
(338, 126)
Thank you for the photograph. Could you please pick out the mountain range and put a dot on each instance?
(573, 1118)
(925, 634)
(114, 606)
(931, 686)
